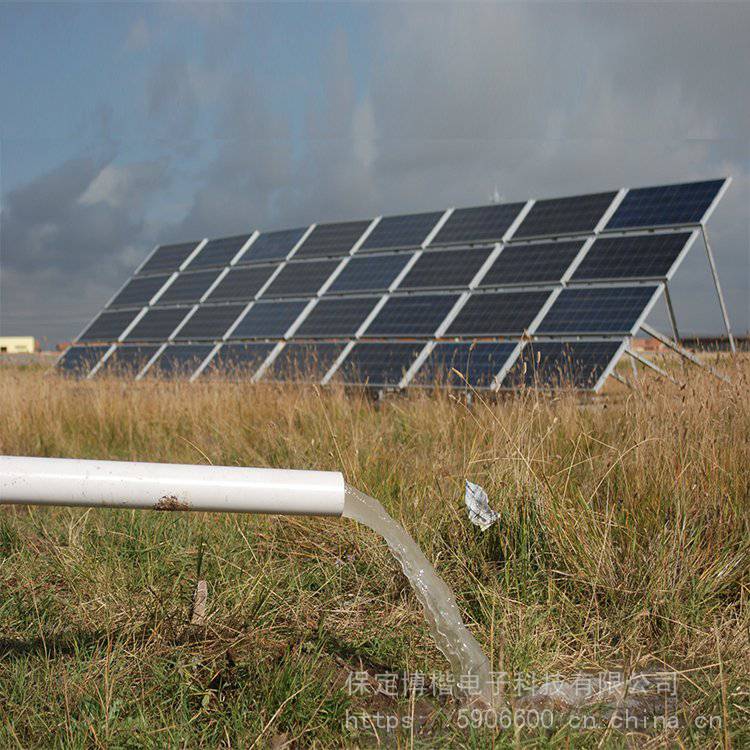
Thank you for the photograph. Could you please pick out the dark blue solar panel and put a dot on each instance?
(613, 310)
(179, 360)
(665, 205)
(395, 232)
(445, 269)
(238, 360)
(373, 273)
(269, 319)
(336, 317)
(241, 284)
(631, 257)
(414, 315)
(332, 240)
(209, 322)
(79, 361)
(139, 291)
(497, 313)
(304, 362)
(379, 364)
(462, 365)
(168, 258)
(477, 224)
(556, 364)
(272, 246)
(188, 287)
(302, 279)
(218, 253)
(158, 324)
(108, 326)
(542, 263)
(127, 361)
(575, 215)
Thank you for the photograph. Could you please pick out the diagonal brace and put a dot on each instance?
(648, 363)
(688, 355)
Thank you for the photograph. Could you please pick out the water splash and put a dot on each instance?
(443, 616)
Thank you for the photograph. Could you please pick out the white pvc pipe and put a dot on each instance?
(125, 484)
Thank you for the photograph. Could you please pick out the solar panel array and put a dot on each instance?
(503, 296)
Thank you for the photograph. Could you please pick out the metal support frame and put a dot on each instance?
(682, 351)
(717, 285)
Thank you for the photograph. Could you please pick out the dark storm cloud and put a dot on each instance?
(69, 237)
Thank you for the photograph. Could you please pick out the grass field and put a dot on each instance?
(623, 543)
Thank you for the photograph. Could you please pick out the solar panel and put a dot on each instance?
(497, 313)
(188, 287)
(219, 252)
(555, 364)
(302, 279)
(542, 263)
(332, 240)
(665, 205)
(127, 360)
(138, 291)
(79, 361)
(373, 273)
(413, 315)
(241, 284)
(304, 362)
(336, 317)
(108, 326)
(555, 216)
(168, 258)
(179, 360)
(393, 291)
(238, 360)
(157, 324)
(272, 245)
(396, 232)
(379, 364)
(445, 269)
(462, 365)
(600, 310)
(269, 320)
(209, 322)
(478, 224)
(631, 257)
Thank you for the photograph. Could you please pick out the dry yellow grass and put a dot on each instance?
(624, 541)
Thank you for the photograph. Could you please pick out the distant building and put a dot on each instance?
(17, 345)
(648, 345)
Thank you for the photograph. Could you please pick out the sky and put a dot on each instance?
(126, 125)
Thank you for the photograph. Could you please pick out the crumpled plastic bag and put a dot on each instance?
(478, 505)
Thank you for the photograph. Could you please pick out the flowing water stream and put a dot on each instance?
(451, 635)
(464, 652)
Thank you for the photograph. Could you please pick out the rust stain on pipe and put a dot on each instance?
(170, 502)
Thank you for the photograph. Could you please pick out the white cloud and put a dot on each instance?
(110, 186)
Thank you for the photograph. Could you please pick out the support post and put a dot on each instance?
(719, 293)
(675, 347)
(635, 371)
(670, 312)
(672, 318)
